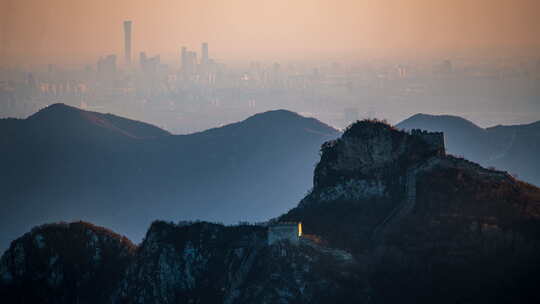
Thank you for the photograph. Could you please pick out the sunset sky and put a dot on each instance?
(76, 31)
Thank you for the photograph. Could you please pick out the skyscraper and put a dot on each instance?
(204, 53)
(127, 41)
(184, 58)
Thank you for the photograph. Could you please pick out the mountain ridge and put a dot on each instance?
(507, 147)
(113, 175)
(461, 233)
(61, 115)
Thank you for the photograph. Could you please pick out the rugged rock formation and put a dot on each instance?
(366, 162)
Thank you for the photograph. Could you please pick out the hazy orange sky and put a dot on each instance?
(74, 31)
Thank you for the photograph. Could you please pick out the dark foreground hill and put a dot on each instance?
(64, 164)
(390, 219)
(65, 263)
(193, 263)
(512, 148)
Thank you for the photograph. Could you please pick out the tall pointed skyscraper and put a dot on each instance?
(127, 41)
(204, 53)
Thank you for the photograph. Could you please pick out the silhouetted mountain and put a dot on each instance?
(390, 219)
(60, 119)
(511, 148)
(519, 150)
(64, 163)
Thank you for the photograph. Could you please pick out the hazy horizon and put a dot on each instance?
(75, 32)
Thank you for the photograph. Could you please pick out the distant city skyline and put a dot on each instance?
(189, 65)
(69, 32)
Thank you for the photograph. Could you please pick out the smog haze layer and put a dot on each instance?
(66, 31)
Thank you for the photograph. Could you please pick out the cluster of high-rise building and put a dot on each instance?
(196, 92)
(200, 69)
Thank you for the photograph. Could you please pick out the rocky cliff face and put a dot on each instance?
(366, 162)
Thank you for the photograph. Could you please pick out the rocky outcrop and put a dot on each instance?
(369, 150)
(367, 162)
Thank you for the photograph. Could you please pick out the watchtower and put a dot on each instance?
(291, 231)
(435, 140)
